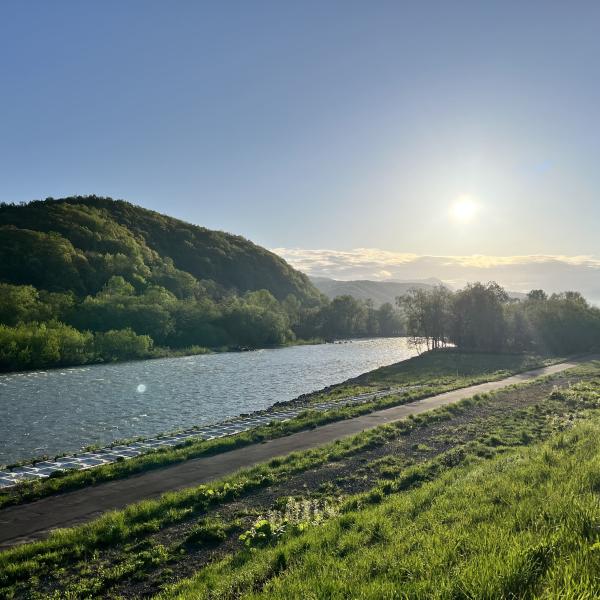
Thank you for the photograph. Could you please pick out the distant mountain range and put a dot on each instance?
(378, 291)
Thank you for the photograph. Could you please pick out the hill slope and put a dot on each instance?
(378, 291)
(76, 244)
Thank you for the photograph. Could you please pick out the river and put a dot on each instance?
(63, 410)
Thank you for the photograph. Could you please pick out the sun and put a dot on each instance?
(464, 209)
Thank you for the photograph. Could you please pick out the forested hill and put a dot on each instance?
(78, 243)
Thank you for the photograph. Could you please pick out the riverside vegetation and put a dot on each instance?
(496, 496)
(484, 317)
(87, 279)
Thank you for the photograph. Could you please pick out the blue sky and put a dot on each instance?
(315, 125)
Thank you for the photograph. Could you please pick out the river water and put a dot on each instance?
(63, 410)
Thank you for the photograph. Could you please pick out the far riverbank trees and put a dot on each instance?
(483, 317)
(43, 329)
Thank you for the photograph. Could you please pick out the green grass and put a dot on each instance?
(435, 372)
(209, 532)
(525, 524)
(450, 365)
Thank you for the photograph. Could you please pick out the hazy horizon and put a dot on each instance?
(515, 273)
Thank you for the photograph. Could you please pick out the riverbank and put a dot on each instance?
(159, 352)
(420, 377)
(507, 512)
(76, 507)
(226, 537)
(71, 409)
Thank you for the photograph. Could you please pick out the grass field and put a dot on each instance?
(458, 502)
(432, 372)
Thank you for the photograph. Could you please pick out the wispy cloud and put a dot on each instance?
(518, 273)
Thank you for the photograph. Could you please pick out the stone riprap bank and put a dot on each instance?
(111, 454)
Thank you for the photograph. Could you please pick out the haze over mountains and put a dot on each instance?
(553, 273)
(379, 292)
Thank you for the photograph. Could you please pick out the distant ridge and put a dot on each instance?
(363, 289)
(381, 291)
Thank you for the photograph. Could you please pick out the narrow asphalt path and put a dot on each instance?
(28, 522)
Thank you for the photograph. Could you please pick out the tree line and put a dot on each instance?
(41, 329)
(483, 317)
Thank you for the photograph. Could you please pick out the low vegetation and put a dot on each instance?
(493, 497)
(529, 529)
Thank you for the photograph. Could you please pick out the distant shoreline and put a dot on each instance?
(170, 353)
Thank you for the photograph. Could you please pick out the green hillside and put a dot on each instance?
(76, 244)
(88, 279)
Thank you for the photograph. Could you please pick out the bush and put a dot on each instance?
(207, 533)
(35, 345)
(120, 344)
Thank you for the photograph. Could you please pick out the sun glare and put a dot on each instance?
(464, 209)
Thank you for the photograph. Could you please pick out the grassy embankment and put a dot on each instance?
(465, 501)
(430, 373)
(524, 524)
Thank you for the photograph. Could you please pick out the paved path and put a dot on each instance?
(33, 521)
